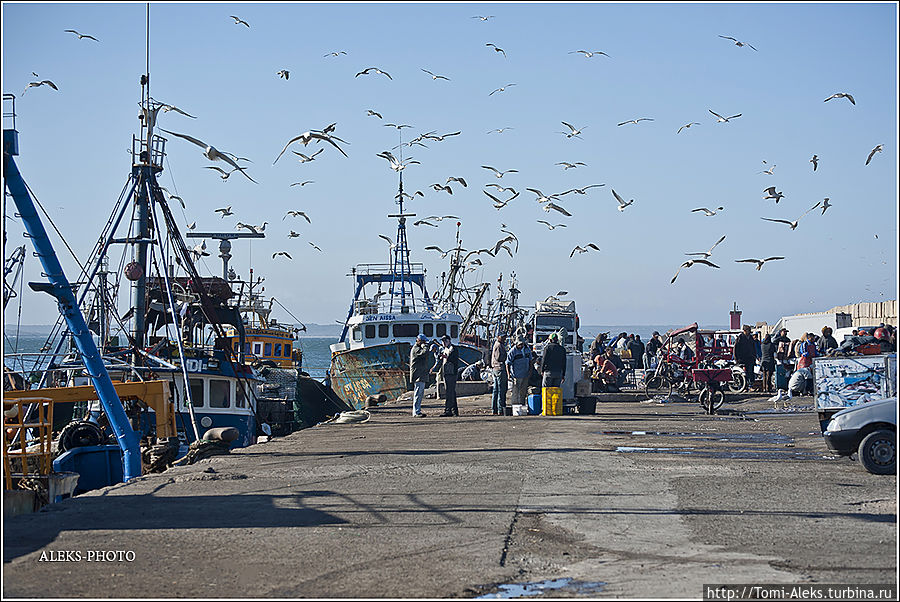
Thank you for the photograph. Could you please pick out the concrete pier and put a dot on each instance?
(642, 499)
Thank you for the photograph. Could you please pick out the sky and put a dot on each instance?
(666, 62)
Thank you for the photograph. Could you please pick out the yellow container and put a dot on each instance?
(551, 400)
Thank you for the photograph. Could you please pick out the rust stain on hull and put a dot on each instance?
(358, 373)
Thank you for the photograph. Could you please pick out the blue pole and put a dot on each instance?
(60, 288)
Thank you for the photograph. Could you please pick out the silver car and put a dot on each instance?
(868, 430)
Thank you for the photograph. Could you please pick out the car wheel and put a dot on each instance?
(878, 452)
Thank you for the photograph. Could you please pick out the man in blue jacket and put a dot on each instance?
(518, 367)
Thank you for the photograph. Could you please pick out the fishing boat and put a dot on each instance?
(390, 308)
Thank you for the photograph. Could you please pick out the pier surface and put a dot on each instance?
(640, 500)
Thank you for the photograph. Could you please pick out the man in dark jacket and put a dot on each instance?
(636, 346)
(419, 358)
(449, 368)
(653, 346)
(827, 342)
(745, 354)
(553, 362)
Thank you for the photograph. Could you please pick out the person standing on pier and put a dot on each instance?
(449, 369)
(745, 354)
(419, 372)
(652, 348)
(553, 363)
(498, 368)
(767, 363)
(518, 368)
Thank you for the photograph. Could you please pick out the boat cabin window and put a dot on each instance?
(236, 346)
(370, 331)
(268, 350)
(357, 334)
(454, 331)
(287, 350)
(257, 348)
(383, 331)
(428, 330)
(247, 348)
(277, 349)
(405, 330)
(441, 330)
(240, 399)
(219, 393)
(196, 393)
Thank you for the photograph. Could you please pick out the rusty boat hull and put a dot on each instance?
(379, 369)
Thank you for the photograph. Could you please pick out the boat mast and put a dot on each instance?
(401, 271)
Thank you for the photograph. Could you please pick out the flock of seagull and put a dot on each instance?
(508, 243)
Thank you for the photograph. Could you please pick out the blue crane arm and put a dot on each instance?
(60, 288)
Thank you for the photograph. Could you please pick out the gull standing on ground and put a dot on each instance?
(503, 89)
(686, 125)
(622, 203)
(297, 214)
(589, 54)
(841, 95)
(376, 70)
(566, 165)
(551, 226)
(825, 205)
(736, 42)
(307, 137)
(238, 21)
(497, 49)
(81, 36)
(211, 153)
(307, 158)
(723, 119)
(794, 223)
(40, 83)
(573, 131)
(284, 73)
(771, 194)
(708, 212)
(499, 173)
(635, 121)
(877, 149)
(759, 262)
(691, 262)
(815, 162)
(706, 254)
(434, 76)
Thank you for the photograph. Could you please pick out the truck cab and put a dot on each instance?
(554, 315)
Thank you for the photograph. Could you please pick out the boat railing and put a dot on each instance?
(32, 457)
(371, 269)
(366, 307)
(141, 154)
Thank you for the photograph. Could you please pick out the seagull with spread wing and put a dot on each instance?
(686, 126)
(549, 225)
(589, 54)
(877, 149)
(584, 249)
(497, 49)
(815, 162)
(499, 173)
(45, 82)
(224, 174)
(581, 190)
(376, 70)
(635, 121)
(841, 95)
(225, 211)
(274, 255)
(691, 262)
(543, 198)
(566, 165)
(737, 42)
(82, 36)
(307, 137)
(708, 212)
(307, 158)
(622, 203)
(238, 21)
(759, 262)
(315, 247)
(503, 89)
(297, 214)
(211, 153)
(573, 131)
(706, 254)
(556, 207)
(723, 119)
(199, 251)
(772, 194)
(434, 76)
(794, 223)
(338, 53)
(826, 204)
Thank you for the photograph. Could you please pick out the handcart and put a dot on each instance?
(711, 382)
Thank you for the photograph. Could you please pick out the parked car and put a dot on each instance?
(868, 430)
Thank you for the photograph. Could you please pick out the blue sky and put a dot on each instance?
(666, 62)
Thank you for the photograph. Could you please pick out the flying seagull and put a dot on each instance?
(424, 222)
(238, 21)
(708, 212)
(498, 204)
(429, 136)
(483, 18)
(691, 262)
(297, 214)
(772, 194)
(573, 131)
(794, 223)
(224, 173)
(770, 171)
(706, 254)
(635, 120)
(284, 73)
(199, 251)
(274, 255)
(556, 207)
(841, 95)
(439, 187)
(435, 76)
(499, 173)
(877, 149)
(40, 83)
(825, 205)
(81, 36)
(307, 158)
(622, 203)
(303, 183)
(581, 190)
(398, 126)
(497, 49)
(387, 239)
(723, 119)
(500, 188)
(455, 179)
(543, 198)
(567, 165)
(580, 249)
(340, 52)
(736, 42)
(211, 153)
(500, 130)
(759, 262)
(551, 226)
(503, 89)
(370, 112)
(315, 247)
(589, 54)
(815, 161)
(686, 125)
(294, 234)
(224, 211)
(192, 225)
(307, 137)
(376, 70)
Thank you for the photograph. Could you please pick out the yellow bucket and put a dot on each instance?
(551, 400)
